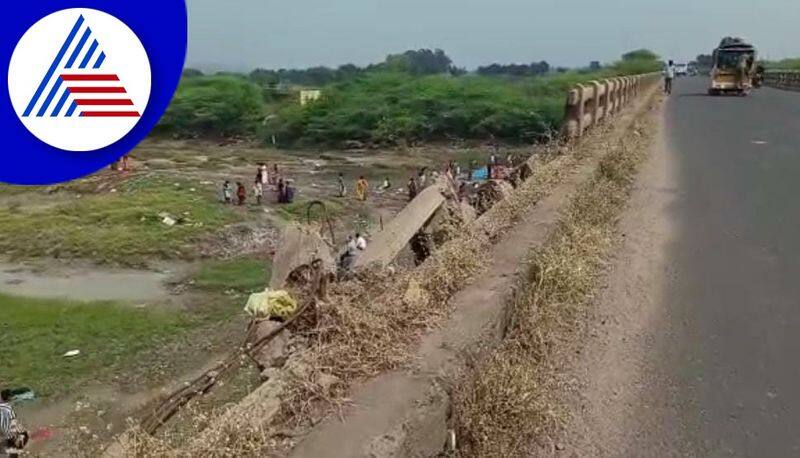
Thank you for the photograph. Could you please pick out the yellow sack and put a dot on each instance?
(271, 303)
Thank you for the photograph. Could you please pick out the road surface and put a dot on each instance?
(699, 351)
(737, 265)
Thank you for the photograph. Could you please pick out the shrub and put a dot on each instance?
(394, 107)
(785, 64)
(215, 106)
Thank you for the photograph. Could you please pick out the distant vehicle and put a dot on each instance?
(681, 70)
(734, 67)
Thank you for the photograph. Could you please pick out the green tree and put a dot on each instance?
(213, 106)
(191, 73)
(640, 54)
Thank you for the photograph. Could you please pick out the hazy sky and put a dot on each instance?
(244, 34)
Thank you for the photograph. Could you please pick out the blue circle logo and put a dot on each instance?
(85, 85)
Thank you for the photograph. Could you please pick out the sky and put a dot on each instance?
(240, 35)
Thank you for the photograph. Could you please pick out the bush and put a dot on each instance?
(635, 67)
(394, 107)
(215, 106)
(785, 64)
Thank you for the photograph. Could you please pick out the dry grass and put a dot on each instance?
(507, 402)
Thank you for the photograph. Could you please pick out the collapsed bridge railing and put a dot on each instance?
(783, 79)
(589, 104)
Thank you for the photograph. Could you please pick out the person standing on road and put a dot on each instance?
(669, 75)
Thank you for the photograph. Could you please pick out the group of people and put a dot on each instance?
(361, 187)
(265, 178)
(416, 183)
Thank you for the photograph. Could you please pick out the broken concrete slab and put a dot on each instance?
(387, 244)
(491, 192)
(273, 354)
(299, 247)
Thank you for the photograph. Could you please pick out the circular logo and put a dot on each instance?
(79, 79)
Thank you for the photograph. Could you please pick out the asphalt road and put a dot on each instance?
(734, 281)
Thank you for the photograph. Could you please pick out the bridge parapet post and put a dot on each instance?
(589, 104)
(783, 79)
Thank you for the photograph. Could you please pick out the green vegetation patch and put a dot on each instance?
(244, 274)
(785, 64)
(125, 227)
(388, 108)
(36, 333)
(297, 210)
(217, 106)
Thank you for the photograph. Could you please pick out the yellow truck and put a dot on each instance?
(734, 67)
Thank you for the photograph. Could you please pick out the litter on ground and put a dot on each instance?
(271, 304)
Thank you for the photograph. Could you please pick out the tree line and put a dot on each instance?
(414, 62)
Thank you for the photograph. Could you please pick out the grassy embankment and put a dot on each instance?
(121, 228)
(35, 333)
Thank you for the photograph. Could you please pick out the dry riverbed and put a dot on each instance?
(92, 265)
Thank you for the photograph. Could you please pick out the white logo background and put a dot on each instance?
(33, 56)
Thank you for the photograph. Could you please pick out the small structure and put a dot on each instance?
(309, 95)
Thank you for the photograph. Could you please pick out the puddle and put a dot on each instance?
(83, 284)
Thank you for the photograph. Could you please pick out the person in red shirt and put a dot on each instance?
(241, 193)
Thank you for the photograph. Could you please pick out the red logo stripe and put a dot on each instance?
(90, 77)
(114, 102)
(111, 114)
(97, 90)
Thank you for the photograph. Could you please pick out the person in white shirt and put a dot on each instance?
(264, 175)
(669, 75)
(361, 242)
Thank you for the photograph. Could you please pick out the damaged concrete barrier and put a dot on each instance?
(387, 244)
(273, 354)
(299, 247)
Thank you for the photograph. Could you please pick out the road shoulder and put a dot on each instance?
(623, 402)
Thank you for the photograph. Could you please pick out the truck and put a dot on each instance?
(734, 66)
(681, 70)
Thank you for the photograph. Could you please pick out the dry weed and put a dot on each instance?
(508, 400)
